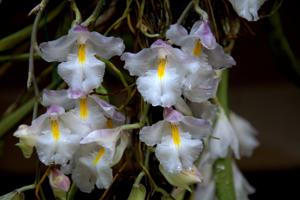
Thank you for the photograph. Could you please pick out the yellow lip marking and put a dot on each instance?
(197, 48)
(161, 67)
(55, 129)
(175, 135)
(99, 156)
(83, 108)
(109, 123)
(82, 53)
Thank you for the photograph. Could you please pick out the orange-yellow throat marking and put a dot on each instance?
(82, 53)
(99, 156)
(109, 123)
(175, 135)
(55, 129)
(161, 68)
(197, 48)
(83, 108)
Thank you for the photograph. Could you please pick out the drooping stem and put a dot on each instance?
(72, 192)
(77, 13)
(93, 17)
(185, 12)
(18, 57)
(12, 40)
(223, 166)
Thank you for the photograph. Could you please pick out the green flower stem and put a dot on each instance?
(92, 18)
(17, 57)
(25, 188)
(115, 71)
(12, 40)
(15, 117)
(77, 13)
(185, 12)
(72, 192)
(223, 167)
(124, 16)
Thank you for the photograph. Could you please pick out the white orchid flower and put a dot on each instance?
(177, 139)
(55, 135)
(94, 112)
(80, 69)
(200, 43)
(245, 134)
(99, 151)
(225, 137)
(247, 8)
(161, 70)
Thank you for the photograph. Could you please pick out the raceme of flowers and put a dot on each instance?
(81, 133)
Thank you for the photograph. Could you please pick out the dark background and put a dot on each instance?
(264, 89)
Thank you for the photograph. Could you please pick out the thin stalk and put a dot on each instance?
(25, 188)
(93, 17)
(12, 40)
(17, 57)
(118, 73)
(72, 192)
(33, 45)
(199, 10)
(223, 167)
(184, 13)
(124, 15)
(77, 13)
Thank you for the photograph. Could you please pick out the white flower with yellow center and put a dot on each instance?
(56, 136)
(161, 70)
(177, 139)
(99, 151)
(92, 111)
(200, 43)
(80, 68)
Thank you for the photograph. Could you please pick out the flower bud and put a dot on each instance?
(138, 192)
(182, 179)
(59, 182)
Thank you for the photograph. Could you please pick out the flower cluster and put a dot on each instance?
(79, 132)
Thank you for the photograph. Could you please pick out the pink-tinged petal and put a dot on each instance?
(79, 28)
(172, 116)
(55, 110)
(160, 43)
(58, 180)
(76, 93)
(218, 58)
(109, 110)
(176, 33)
(59, 49)
(57, 97)
(105, 47)
(203, 31)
